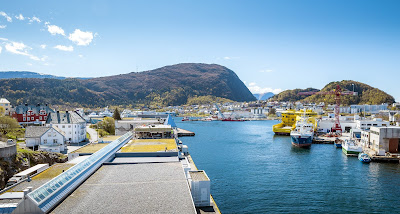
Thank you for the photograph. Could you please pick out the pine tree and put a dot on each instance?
(116, 115)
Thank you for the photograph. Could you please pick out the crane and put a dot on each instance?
(337, 92)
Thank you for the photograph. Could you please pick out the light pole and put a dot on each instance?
(353, 87)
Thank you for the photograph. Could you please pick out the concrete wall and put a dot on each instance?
(8, 150)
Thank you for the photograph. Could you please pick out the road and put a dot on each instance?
(92, 133)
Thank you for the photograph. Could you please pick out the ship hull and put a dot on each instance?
(303, 142)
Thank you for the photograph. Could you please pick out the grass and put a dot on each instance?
(111, 138)
(150, 145)
(53, 171)
(91, 148)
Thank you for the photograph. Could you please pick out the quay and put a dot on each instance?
(185, 133)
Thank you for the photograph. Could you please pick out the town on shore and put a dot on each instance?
(44, 144)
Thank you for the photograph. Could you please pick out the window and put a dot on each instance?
(54, 140)
(45, 141)
(24, 118)
(40, 117)
(69, 126)
(49, 135)
(33, 118)
(63, 127)
(55, 134)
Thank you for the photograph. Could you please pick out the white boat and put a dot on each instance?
(350, 147)
(303, 134)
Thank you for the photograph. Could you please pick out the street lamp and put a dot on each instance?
(353, 86)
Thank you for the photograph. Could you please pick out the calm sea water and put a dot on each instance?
(254, 171)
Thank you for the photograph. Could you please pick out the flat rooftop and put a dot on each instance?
(42, 177)
(91, 148)
(132, 188)
(150, 145)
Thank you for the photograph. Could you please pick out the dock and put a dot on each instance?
(185, 133)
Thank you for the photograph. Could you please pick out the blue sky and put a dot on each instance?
(271, 45)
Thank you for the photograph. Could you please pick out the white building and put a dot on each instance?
(6, 105)
(71, 123)
(384, 139)
(49, 139)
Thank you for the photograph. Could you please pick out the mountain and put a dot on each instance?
(292, 95)
(28, 74)
(366, 94)
(169, 85)
(264, 96)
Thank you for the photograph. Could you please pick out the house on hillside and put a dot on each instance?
(6, 105)
(71, 123)
(50, 139)
(32, 114)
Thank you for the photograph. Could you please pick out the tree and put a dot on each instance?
(272, 111)
(2, 110)
(108, 124)
(116, 115)
(7, 124)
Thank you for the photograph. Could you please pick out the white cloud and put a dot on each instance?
(9, 19)
(34, 19)
(3, 26)
(80, 37)
(54, 30)
(43, 46)
(1, 49)
(266, 71)
(20, 17)
(80, 55)
(21, 49)
(3, 39)
(64, 48)
(227, 58)
(255, 89)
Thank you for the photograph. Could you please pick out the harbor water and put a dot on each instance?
(254, 171)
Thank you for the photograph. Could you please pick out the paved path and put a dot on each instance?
(92, 133)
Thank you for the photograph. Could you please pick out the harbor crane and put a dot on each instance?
(338, 93)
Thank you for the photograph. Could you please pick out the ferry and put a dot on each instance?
(303, 134)
(289, 119)
(350, 147)
(287, 124)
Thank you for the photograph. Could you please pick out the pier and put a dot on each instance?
(185, 133)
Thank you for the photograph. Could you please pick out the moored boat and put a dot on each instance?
(350, 147)
(303, 134)
(363, 157)
(338, 143)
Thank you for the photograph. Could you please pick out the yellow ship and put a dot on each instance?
(289, 119)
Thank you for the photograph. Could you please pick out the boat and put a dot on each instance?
(287, 124)
(350, 147)
(338, 143)
(289, 119)
(303, 133)
(363, 157)
(185, 119)
(232, 119)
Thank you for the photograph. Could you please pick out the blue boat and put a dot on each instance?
(364, 158)
(338, 143)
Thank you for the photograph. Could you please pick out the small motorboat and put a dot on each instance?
(364, 158)
(338, 143)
